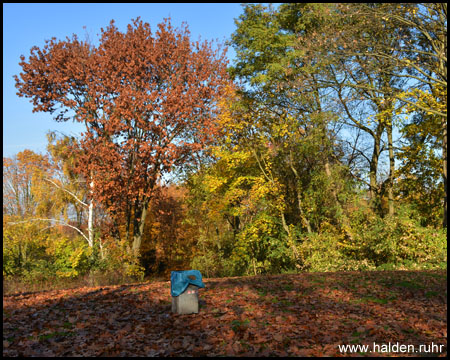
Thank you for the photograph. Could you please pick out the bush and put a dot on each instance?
(24, 249)
(323, 252)
(208, 264)
(134, 272)
(71, 257)
(261, 248)
(400, 241)
(212, 257)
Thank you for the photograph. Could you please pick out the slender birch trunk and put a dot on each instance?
(91, 216)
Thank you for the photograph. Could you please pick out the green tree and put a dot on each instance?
(285, 92)
(420, 172)
(419, 57)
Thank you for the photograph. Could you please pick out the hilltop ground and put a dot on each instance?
(309, 314)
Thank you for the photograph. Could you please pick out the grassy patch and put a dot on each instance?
(367, 299)
(436, 276)
(318, 280)
(54, 334)
(274, 300)
(67, 325)
(430, 294)
(250, 309)
(286, 302)
(238, 325)
(410, 285)
(262, 292)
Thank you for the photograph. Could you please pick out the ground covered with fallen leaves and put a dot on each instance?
(309, 314)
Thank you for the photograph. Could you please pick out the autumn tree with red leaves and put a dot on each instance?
(148, 102)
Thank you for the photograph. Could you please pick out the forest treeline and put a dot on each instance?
(322, 147)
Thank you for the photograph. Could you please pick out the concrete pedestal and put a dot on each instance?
(187, 302)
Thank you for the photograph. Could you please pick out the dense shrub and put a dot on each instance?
(209, 264)
(397, 242)
(24, 250)
(325, 252)
(402, 240)
(261, 248)
(71, 257)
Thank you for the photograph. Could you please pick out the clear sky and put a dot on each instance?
(28, 25)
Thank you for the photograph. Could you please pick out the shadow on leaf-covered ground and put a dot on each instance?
(309, 314)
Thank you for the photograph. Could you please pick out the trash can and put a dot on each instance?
(184, 287)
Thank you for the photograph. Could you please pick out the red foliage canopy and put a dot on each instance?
(148, 102)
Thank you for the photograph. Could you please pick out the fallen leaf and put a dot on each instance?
(278, 337)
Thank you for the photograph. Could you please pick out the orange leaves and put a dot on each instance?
(292, 315)
(21, 174)
(278, 337)
(157, 90)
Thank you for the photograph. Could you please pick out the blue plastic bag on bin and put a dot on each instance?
(179, 281)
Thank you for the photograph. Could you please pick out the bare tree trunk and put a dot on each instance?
(373, 169)
(444, 173)
(299, 198)
(344, 222)
(90, 224)
(290, 237)
(302, 214)
(391, 170)
(102, 252)
(90, 217)
(139, 223)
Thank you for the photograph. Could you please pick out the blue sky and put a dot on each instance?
(28, 25)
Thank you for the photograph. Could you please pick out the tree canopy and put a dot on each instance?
(321, 147)
(147, 100)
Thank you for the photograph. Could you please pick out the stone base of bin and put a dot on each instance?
(187, 302)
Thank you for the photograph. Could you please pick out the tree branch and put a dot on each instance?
(60, 221)
(60, 187)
